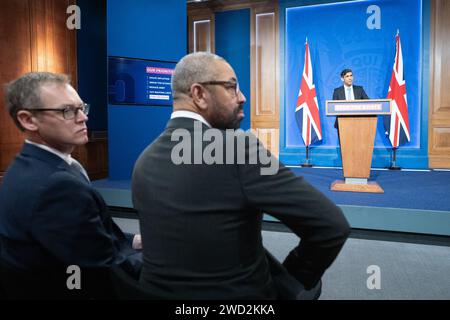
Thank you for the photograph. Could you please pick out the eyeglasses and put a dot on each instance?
(68, 112)
(229, 85)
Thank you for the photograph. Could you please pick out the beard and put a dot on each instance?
(222, 118)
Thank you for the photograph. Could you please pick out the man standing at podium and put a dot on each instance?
(348, 91)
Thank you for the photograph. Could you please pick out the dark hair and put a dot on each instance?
(345, 71)
(24, 92)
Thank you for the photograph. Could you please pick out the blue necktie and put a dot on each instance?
(79, 167)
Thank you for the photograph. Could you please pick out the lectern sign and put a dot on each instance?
(358, 107)
(357, 120)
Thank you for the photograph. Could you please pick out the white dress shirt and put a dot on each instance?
(190, 115)
(66, 157)
(349, 93)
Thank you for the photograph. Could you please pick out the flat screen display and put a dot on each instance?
(139, 81)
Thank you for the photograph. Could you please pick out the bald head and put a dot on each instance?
(194, 68)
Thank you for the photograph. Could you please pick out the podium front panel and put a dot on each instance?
(357, 136)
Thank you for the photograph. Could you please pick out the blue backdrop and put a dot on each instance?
(145, 30)
(339, 37)
(91, 61)
(232, 39)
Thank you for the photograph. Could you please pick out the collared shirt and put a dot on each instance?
(66, 157)
(349, 93)
(189, 114)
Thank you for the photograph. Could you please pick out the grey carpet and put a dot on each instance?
(407, 271)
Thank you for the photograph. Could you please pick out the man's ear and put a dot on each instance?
(199, 96)
(27, 120)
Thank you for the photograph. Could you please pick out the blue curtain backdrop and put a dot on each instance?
(339, 37)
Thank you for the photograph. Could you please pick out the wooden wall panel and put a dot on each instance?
(265, 119)
(226, 5)
(264, 79)
(53, 45)
(202, 35)
(265, 66)
(269, 137)
(15, 59)
(439, 106)
(441, 138)
(34, 37)
(201, 32)
(94, 157)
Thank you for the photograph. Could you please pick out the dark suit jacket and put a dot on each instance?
(339, 94)
(201, 224)
(51, 217)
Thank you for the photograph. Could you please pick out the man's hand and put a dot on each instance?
(137, 242)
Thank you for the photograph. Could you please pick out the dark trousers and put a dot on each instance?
(287, 286)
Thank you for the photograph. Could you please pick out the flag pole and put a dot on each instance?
(394, 158)
(307, 164)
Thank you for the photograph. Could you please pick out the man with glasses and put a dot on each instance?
(201, 223)
(50, 215)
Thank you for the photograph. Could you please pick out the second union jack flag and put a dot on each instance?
(397, 124)
(307, 109)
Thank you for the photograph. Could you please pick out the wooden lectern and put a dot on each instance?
(357, 126)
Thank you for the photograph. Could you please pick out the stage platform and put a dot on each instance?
(415, 201)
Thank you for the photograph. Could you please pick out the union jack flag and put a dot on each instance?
(307, 109)
(397, 124)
